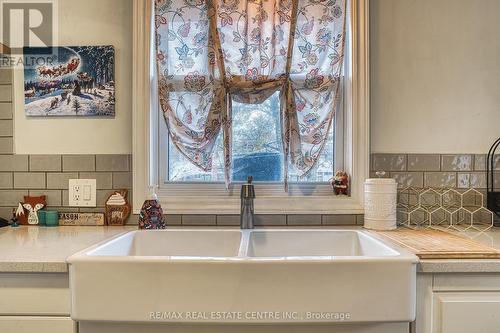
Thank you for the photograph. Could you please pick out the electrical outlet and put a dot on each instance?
(82, 192)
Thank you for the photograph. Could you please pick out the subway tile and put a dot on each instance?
(11, 198)
(62, 209)
(103, 195)
(6, 145)
(6, 127)
(477, 180)
(5, 110)
(78, 162)
(6, 212)
(91, 209)
(113, 163)
(389, 162)
(60, 180)
(13, 162)
(228, 220)
(199, 219)
(373, 174)
(496, 161)
(440, 179)
(172, 219)
(29, 180)
(65, 198)
(45, 162)
(304, 220)
(5, 76)
(5, 93)
(122, 180)
(480, 162)
(456, 162)
(339, 219)
(463, 180)
(415, 179)
(103, 179)
(133, 219)
(6, 180)
(269, 220)
(424, 162)
(53, 197)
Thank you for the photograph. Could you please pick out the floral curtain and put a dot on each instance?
(210, 52)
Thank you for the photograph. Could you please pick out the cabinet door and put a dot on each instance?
(26, 324)
(34, 294)
(466, 312)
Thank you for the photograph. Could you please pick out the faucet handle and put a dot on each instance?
(249, 180)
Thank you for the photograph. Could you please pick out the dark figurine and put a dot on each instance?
(13, 221)
(340, 183)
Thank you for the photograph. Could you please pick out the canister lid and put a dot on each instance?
(378, 181)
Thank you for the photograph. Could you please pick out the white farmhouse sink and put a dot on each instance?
(250, 276)
(316, 243)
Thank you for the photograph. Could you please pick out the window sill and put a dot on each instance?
(221, 205)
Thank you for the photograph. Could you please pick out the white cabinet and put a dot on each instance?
(35, 303)
(458, 303)
(27, 324)
(466, 312)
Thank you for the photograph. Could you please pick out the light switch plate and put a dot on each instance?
(82, 192)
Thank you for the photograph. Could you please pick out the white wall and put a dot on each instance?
(85, 22)
(435, 75)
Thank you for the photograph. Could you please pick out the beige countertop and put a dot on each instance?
(490, 238)
(45, 249)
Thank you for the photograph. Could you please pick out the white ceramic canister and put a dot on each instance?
(380, 203)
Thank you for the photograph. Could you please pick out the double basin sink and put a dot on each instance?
(247, 276)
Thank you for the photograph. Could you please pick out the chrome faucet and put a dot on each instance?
(246, 213)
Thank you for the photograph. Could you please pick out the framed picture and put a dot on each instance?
(72, 81)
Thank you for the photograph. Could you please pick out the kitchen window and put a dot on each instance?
(256, 151)
(256, 148)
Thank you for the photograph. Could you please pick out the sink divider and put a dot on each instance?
(244, 243)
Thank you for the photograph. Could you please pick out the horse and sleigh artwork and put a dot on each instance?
(72, 81)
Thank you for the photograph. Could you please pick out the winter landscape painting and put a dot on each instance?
(75, 81)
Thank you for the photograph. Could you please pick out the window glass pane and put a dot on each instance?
(180, 169)
(257, 148)
(256, 151)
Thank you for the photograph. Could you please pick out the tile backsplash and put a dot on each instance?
(48, 174)
(460, 171)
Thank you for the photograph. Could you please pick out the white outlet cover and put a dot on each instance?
(82, 192)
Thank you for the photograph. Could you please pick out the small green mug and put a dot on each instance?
(51, 218)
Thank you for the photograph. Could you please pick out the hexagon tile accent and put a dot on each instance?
(440, 208)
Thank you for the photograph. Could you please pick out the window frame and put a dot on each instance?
(213, 198)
